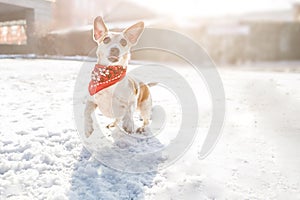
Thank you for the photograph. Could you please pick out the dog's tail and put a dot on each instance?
(152, 84)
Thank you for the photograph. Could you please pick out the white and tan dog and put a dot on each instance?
(118, 101)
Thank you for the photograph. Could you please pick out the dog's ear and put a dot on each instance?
(134, 32)
(99, 28)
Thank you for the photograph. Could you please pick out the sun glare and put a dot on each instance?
(211, 8)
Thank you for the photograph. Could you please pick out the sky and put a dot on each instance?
(195, 8)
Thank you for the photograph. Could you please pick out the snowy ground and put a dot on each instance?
(42, 157)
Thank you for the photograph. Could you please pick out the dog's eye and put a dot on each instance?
(106, 40)
(123, 42)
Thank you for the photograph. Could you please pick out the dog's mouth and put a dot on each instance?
(113, 58)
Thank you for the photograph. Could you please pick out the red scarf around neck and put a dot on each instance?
(105, 76)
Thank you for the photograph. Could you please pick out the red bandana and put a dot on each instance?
(105, 76)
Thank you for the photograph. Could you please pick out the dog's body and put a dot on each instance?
(118, 101)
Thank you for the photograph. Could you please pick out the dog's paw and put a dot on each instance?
(141, 130)
(129, 128)
(111, 125)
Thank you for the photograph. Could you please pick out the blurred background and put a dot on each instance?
(232, 31)
(256, 46)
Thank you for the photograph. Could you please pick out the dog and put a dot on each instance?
(120, 100)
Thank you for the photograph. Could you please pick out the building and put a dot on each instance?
(21, 23)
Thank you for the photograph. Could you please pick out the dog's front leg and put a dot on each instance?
(88, 121)
(128, 124)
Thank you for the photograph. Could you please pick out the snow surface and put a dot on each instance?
(42, 156)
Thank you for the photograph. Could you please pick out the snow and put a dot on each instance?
(42, 156)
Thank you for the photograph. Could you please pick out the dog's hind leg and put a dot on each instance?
(128, 124)
(145, 111)
(88, 121)
(144, 106)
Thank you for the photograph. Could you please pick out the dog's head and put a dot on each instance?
(114, 47)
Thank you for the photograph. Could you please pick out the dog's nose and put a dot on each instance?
(115, 52)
